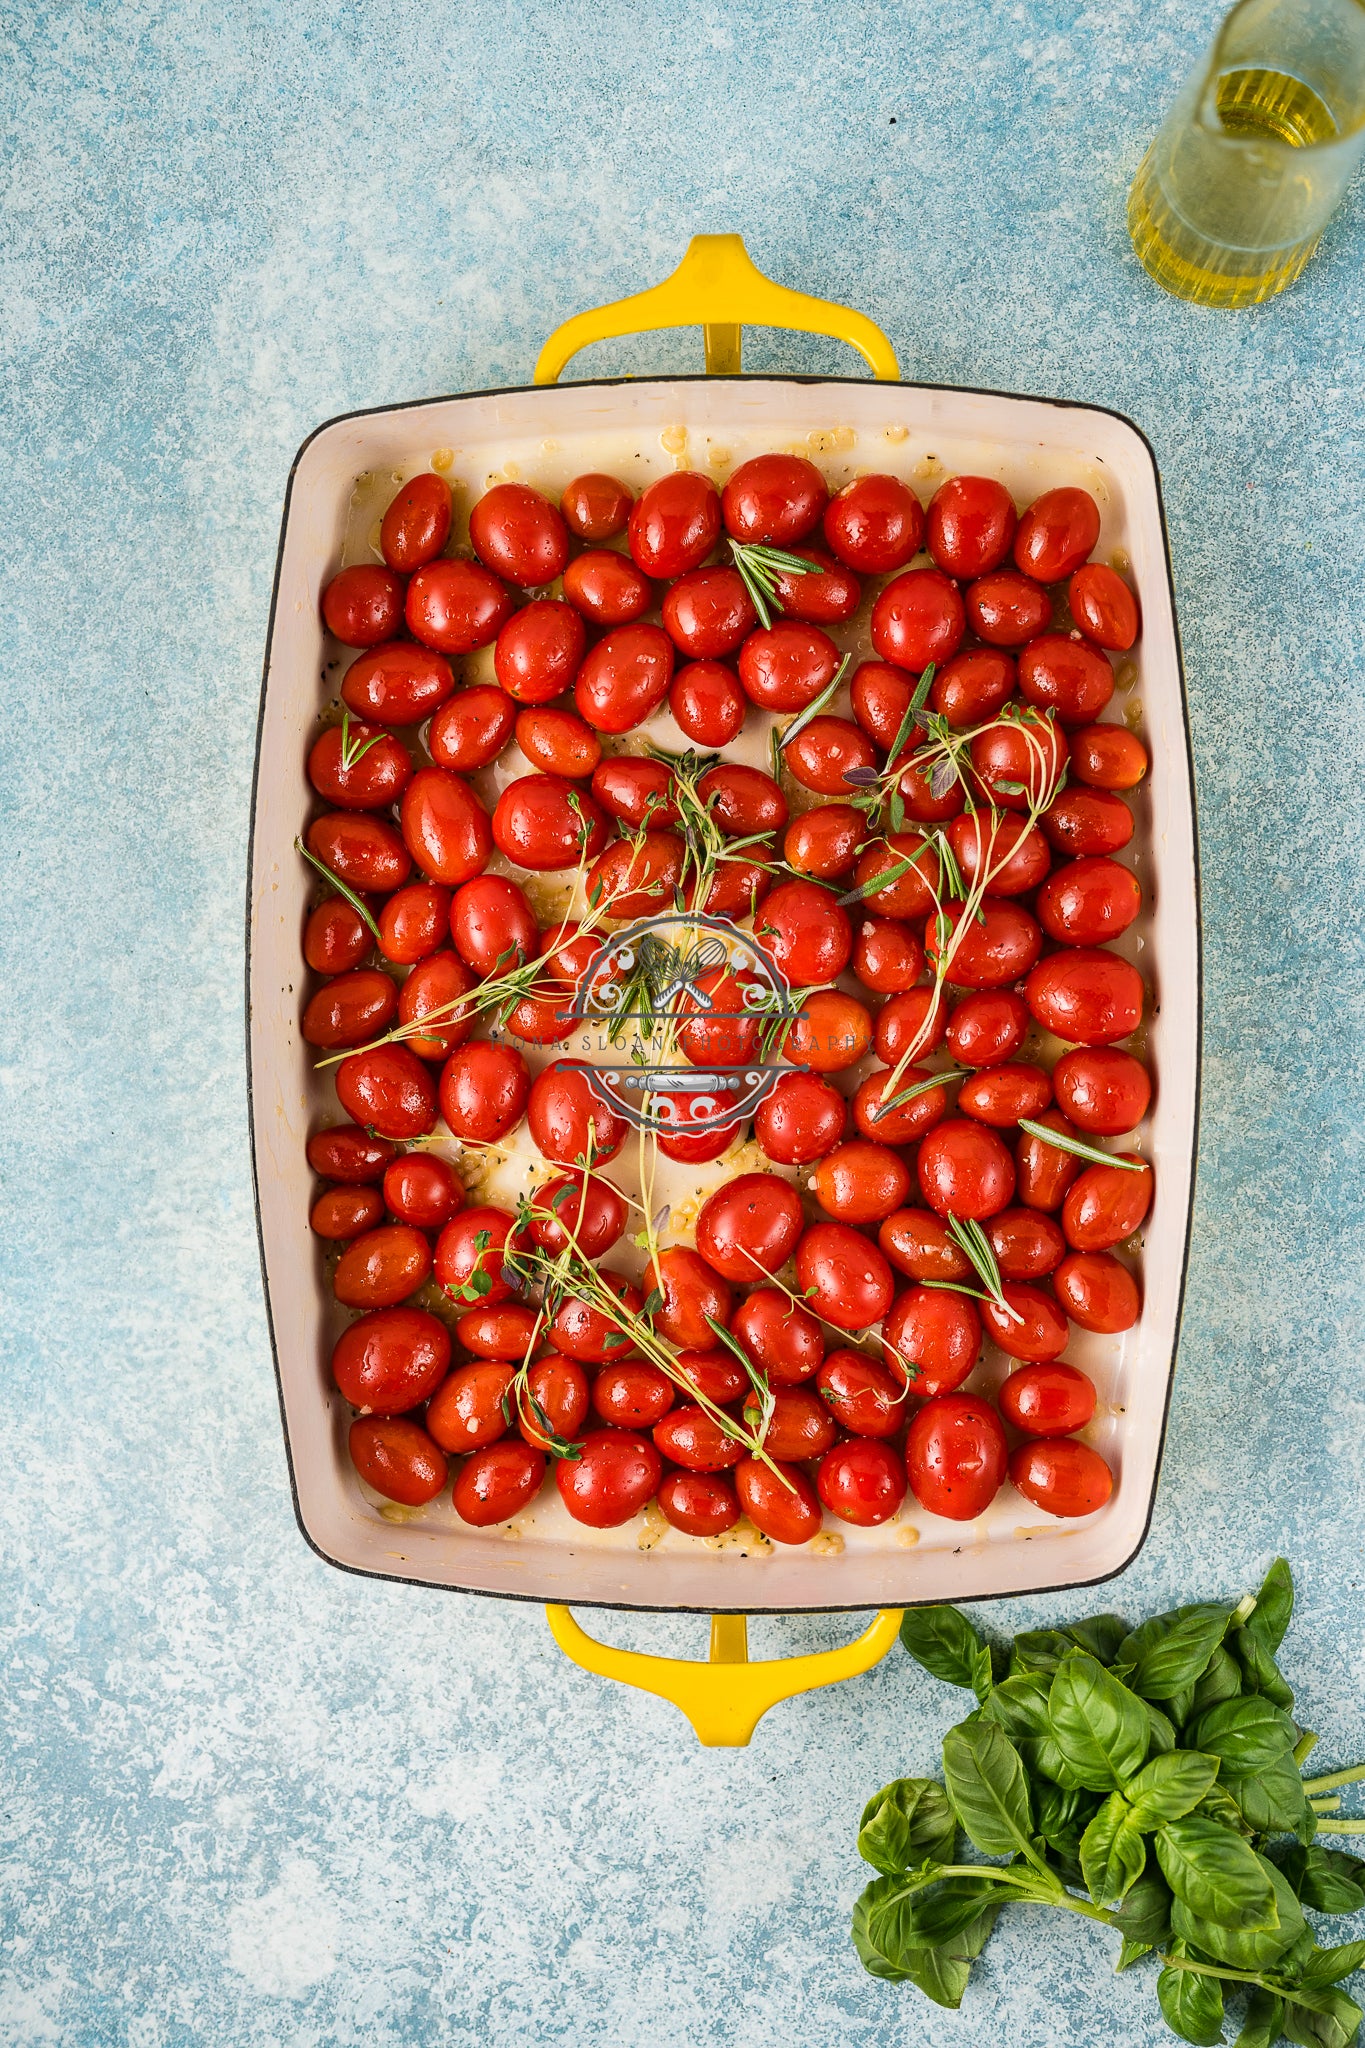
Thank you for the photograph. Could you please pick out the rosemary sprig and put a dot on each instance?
(940, 1080)
(813, 710)
(342, 888)
(353, 751)
(972, 1241)
(760, 567)
(1064, 1142)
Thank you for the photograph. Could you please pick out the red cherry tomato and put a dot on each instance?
(546, 822)
(917, 619)
(971, 524)
(832, 1032)
(1006, 609)
(675, 524)
(901, 1123)
(445, 827)
(863, 1396)
(698, 1503)
(875, 525)
(638, 878)
(1048, 1400)
(382, 1268)
(716, 1030)
(471, 728)
(350, 1009)
(825, 842)
(625, 678)
(911, 1023)
(695, 1440)
(569, 1120)
(799, 1427)
(557, 1390)
(694, 1296)
(843, 1278)
(397, 684)
(1035, 1329)
(827, 594)
(590, 1334)
(679, 1139)
(1016, 853)
(637, 790)
(774, 499)
(887, 957)
(955, 1456)
(580, 1205)
(363, 605)
(433, 990)
(1097, 1292)
(457, 606)
(343, 1213)
(1102, 1089)
(472, 1250)
(1028, 1245)
(1000, 1095)
(739, 887)
(881, 695)
(1108, 757)
(417, 524)
(1063, 1477)
(497, 1482)
(806, 932)
(388, 1091)
(607, 588)
(783, 1340)
(414, 922)
(974, 686)
(390, 1361)
(520, 535)
(708, 613)
(397, 1458)
(371, 783)
(713, 1376)
(539, 651)
(917, 793)
(862, 1482)
(484, 1090)
(420, 1188)
(1017, 764)
(861, 1182)
(617, 1471)
(965, 1170)
(931, 1340)
(987, 1028)
(909, 893)
(1065, 675)
(363, 850)
(1056, 534)
(987, 950)
(1086, 995)
(785, 666)
(1088, 902)
(1088, 821)
(493, 925)
(336, 937)
(802, 1119)
(595, 506)
(1103, 606)
(742, 800)
(347, 1153)
(1106, 1204)
(825, 753)
(749, 1227)
(471, 1407)
(918, 1245)
(706, 700)
(1044, 1171)
(781, 1504)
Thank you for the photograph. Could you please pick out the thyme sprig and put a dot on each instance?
(761, 567)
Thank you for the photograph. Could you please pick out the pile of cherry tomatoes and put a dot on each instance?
(601, 611)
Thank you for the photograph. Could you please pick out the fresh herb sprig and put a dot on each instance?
(1065, 1142)
(1145, 1778)
(330, 876)
(761, 568)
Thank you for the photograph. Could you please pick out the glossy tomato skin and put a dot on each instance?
(917, 792)
(917, 1243)
(843, 1277)
(365, 851)
(698, 1503)
(433, 990)
(1006, 610)
(971, 524)
(618, 1472)
(539, 651)
(1085, 995)
(965, 1170)
(1000, 1095)
(692, 1292)
(681, 1139)
(1054, 1399)
(774, 499)
(414, 922)
(1108, 757)
(382, 1268)
(909, 893)
(457, 606)
(782, 1340)
(497, 1482)
(674, 524)
(1106, 1204)
(986, 952)
(416, 525)
(595, 506)
(785, 666)
(476, 1242)
(1088, 821)
(582, 1204)
(546, 822)
(343, 1213)
(607, 588)
(588, 1334)
(783, 1505)
(801, 1120)
(742, 800)
(559, 1390)
(637, 790)
(987, 1028)
(1045, 1172)
(714, 1376)
(625, 678)
(1065, 675)
(973, 686)
(363, 605)
(1062, 1477)
(695, 1440)
(1041, 1331)
(806, 932)
(423, 1189)
(350, 1154)
(373, 782)
(830, 1034)
(391, 1360)
(874, 525)
(862, 1482)
(887, 956)
(1056, 534)
(905, 1122)
(863, 1397)
(484, 1090)
(1102, 1090)
(913, 1023)
(1015, 853)
(716, 1030)
(1018, 764)
(956, 1457)
(388, 1091)
(708, 613)
(861, 1182)
(520, 535)
(881, 695)
(349, 1009)
(707, 702)
(824, 842)
(1097, 1291)
(397, 1458)
(336, 937)
(1088, 902)
(493, 925)
(931, 1340)
(826, 595)
(468, 1409)
(917, 619)
(1028, 1244)
(749, 1227)
(445, 827)
(1103, 606)
(638, 878)
(471, 728)
(739, 887)
(397, 684)
(824, 753)
(569, 1120)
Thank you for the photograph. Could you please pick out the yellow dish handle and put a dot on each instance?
(727, 1697)
(718, 287)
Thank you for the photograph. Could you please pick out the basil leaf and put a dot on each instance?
(1145, 1914)
(1271, 1800)
(989, 1791)
(899, 1918)
(1327, 1965)
(1191, 2004)
(1329, 2020)
(1244, 1948)
(1247, 1733)
(1131, 1952)
(1261, 2027)
(907, 1823)
(1113, 1853)
(1172, 1651)
(1040, 1649)
(948, 1647)
(1216, 1874)
(942, 1973)
(876, 1918)
(1020, 1705)
(1260, 1672)
(1100, 1634)
(1163, 1735)
(1171, 1786)
(1061, 1816)
(1100, 1727)
(1328, 1880)
(1221, 1681)
(1274, 1609)
(1217, 1804)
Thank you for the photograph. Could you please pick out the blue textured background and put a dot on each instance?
(247, 1799)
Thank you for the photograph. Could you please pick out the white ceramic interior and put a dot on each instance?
(344, 475)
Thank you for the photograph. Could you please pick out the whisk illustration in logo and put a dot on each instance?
(683, 1016)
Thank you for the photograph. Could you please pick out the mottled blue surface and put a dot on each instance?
(247, 1799)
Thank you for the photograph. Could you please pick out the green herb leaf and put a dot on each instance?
(1270, 1798)
(1246, 1733)
(1328, 1880)
(1145, 1914)
(907, 1823)
(1131, 1952)
(1101, 1727)
(989, 1790)
(902, 1913)
(1221, 1681)
(1100, 1634)
(1040, 1649)
(1171, 1786)
(1172, 1650)
(1244, 1948)
(342, 888)
(1216, 1874)
(948, 1647)
(1260, 1672)
(1274, 1609)
(1113, 1853)
(1261, 2025)
(1063, 1141)
(942, 1973)
(1019, 1704)
(1328, 1965)
(1192, 2005)
(1322, 2019)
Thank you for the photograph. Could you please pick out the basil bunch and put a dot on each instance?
(1147, 1769)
